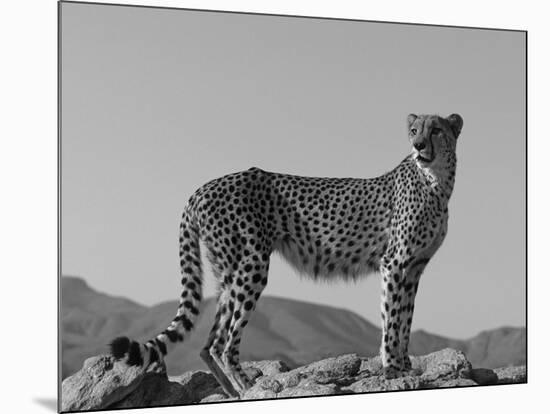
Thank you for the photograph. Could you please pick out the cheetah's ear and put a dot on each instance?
(456, 122)
(410, 119)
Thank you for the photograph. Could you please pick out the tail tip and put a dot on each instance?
(122, 346)
(119, 347)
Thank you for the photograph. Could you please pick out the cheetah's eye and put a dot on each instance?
(413, 131)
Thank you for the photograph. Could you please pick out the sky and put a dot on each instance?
(157, 102)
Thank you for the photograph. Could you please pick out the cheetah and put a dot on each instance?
(326, 228)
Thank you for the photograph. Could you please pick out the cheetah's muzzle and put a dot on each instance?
(423, 159)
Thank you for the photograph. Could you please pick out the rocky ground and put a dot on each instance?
(103, 383)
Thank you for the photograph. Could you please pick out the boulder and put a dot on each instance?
(100, 383)
(484, 376)
(441, 365)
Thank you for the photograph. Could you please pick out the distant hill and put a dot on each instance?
(280, 329)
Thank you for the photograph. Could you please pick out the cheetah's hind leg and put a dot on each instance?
(245, 291)
(218, 373)
(211, 353)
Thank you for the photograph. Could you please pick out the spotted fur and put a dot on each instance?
(327, 228)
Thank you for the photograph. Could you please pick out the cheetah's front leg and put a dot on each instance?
(390, 349)
(408, 289)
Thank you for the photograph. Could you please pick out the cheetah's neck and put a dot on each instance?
(440, 176)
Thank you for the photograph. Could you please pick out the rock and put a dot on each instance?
(309, 388)
(199, 384)
(269, 387)
(378, 383)
(271, 384)
(265, 367)
(511, 375)
(216, 398)
(348, 364)
(273, 388)
(103, 384)
(484, 376)
(156, 390)
(370, 366)
(457, 382)
(339, 369)
(259, 393)
(100, 383)
(290, 379)
(191, 387)
(319, 378)
(441, 365)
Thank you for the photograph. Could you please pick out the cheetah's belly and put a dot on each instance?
(334, 255)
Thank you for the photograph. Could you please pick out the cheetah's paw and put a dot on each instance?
(392, 373)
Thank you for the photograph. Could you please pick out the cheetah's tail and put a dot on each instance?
(155, 349)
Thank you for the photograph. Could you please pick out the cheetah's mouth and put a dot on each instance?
(423, 159)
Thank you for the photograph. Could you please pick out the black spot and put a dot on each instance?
(172, 335)
(134, 354)
(186, 322)
(153, 355)
(248, 305)
(161, 346)
(256, 278)
(188, 305)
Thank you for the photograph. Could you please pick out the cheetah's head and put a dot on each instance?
(433, 138)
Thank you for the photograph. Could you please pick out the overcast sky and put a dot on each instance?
(157, 102)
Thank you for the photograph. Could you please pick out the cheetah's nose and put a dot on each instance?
(419, 146)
